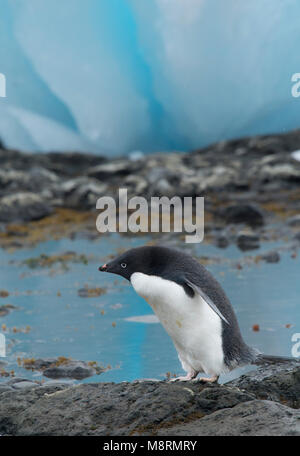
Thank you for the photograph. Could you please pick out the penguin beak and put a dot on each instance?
(103, 268)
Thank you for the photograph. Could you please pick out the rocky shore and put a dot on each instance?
(263, 402)
(250, 183)
(33, 185)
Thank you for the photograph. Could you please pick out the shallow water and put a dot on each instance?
(73, 326)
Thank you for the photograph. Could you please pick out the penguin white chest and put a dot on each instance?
(194, 327)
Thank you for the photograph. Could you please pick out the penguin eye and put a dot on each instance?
(123, 265)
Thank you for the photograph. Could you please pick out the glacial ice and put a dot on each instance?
(122, 75)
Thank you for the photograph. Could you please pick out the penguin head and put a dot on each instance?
(148, 260)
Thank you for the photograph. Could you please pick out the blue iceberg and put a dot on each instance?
(122, 75)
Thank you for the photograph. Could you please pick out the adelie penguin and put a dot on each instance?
(192, 307)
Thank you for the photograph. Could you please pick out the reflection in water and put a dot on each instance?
(117, 328)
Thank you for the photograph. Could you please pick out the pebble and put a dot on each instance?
(247, 241)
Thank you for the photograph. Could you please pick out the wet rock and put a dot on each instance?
(294, 221)
(70, 163)
(73, 369)
(162, 188)
(243, 213)
(136, 185)
(247, 241)
(229, 172)
(33, 180)
(284, 171)
(12, 180)
(115, 168)
(271, 257)
(57, 383)
(162, 182)
(4, 388)
(105, 408)
(260, 402)
(222, 241)
(61, 163)
(25, 384)
(62, 367)
(38, 364)
(219, 177)
(251, 418)
(82, 193)
(23, 207)
(6, 309)
(156, 174)
(278, 382)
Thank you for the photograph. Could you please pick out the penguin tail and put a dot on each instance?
(262, 359)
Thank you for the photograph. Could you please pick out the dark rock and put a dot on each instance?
(104, 408)
(229, 172)
(115, 168)
(294, 221)
(271, 257)
(4, 388)
(219, 178)
(135, 184)
(40, 364)
(156, 174)
(243, 213)
(62, 367)
(23, 207)
(73, 369)
(34, 180)
(260, 402)
(70, 163)
(282, 171)
(297, 237)
(222, 241)
(82, 193)
(247, 241)
(250, 418)
(279, 382)
(6, 309)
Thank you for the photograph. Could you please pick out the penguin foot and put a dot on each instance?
(213, 379)
(189, 376)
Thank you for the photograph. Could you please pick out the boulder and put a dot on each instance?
(24, 206)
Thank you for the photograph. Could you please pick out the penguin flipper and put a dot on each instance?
(199, 291)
